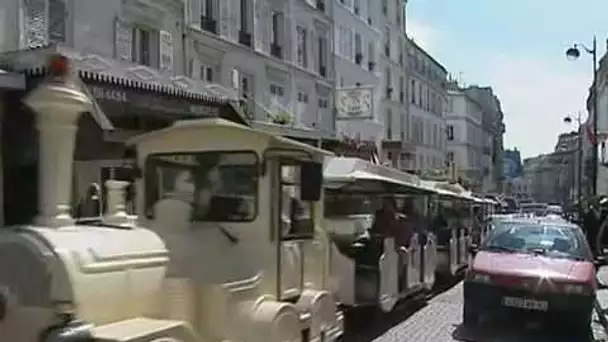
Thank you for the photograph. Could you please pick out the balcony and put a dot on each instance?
(321, 5)
(371, 65)
(358, 58)
(245, 38)
(276, 50)
(209, 24)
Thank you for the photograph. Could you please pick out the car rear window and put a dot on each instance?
(537, 238)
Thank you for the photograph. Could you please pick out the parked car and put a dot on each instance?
(531, 266)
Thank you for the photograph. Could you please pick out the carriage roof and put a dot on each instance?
(450, 190)
(362, 175)
(236, 130)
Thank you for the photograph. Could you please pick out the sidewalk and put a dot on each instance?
(602, 294)
(602, 297)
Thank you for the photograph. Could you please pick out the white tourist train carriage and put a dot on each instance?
(367, 271)
(218, 254)
(452, 246)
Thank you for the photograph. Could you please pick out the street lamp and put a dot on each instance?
(574, 53)
(579, 152)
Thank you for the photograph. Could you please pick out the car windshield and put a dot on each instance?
(536, 238)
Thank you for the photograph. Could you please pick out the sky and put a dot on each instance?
(517, 47)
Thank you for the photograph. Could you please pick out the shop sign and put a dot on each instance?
(150, 100)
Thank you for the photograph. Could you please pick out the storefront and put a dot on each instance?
(9, 82)
(129, 100)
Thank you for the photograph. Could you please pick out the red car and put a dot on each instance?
(532, 269)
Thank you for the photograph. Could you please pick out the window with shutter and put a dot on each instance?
(207, 73)
(123, 40)
(166, 50)
(36, 23)
(58, 18)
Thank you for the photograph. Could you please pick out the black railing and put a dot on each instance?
(358, 58)
(321, 5)
(276, 50)
(209, 24)
(245, 38)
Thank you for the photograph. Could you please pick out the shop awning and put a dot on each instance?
(121, 83)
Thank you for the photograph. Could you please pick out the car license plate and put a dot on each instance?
(527, 304)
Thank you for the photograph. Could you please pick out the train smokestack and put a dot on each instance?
(58, 103)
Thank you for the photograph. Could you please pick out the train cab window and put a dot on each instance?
(219, 186)
(297, 220)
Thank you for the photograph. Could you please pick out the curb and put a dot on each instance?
(601, 316)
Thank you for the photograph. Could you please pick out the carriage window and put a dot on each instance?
(219, 186)
(339, 205)
(297, 221)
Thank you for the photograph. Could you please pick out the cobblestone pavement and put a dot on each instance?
(440, 321)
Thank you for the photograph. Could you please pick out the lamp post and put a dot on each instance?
(573, 53)
(579, 152)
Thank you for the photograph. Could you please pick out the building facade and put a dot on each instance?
(465, 138)
(276, 54)
(550, 177)
(493, 129)
(389, 17)
(356, 51)
(426, 102)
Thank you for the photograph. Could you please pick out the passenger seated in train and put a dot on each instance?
(408, 224)
(208, 204)
(442, 226)
(419, 223)
(385, 218)
(477, 224)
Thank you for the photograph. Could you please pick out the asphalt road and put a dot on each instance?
(440, 321)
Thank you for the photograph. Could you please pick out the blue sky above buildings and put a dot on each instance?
(517, 47)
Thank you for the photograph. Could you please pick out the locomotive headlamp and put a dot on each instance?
(58, 65)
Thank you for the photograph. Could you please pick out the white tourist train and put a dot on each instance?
(240, 236)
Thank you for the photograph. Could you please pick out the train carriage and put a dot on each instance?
(453, 225)
(372, 264)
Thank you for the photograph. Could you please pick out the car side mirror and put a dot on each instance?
(473, 249)
(311, 181)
